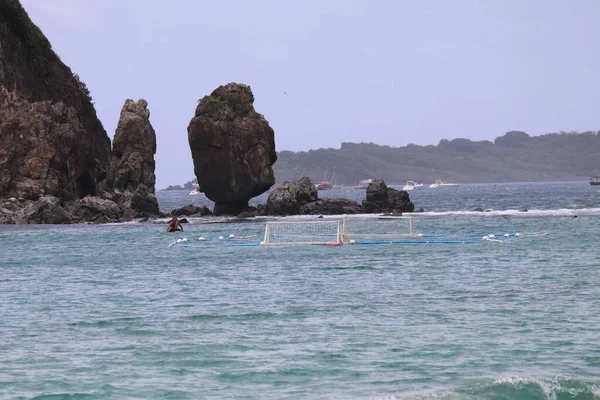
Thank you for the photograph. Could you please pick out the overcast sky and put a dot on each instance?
(391, 72)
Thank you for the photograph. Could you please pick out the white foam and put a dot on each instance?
(561, 212)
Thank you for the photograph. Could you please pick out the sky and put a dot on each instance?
(323, 72)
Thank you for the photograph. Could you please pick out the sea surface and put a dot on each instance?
(112, 312)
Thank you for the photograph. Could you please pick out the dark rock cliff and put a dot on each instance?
(55, 156)
(51, 141)
(233, 148)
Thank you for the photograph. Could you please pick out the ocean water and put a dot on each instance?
(111, 311)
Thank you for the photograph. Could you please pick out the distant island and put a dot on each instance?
(515, 156)
(186, 186)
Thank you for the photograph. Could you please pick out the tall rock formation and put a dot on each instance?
(51, 142)
(132, 166)
(233, 148)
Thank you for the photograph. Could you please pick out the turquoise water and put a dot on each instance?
(111, 311)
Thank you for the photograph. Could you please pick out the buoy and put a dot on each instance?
(506, 235)
(352, 241)
(179, 241)
(419, 234)
(184, 240)
(492, 236)
(231, 236)
(201, 238)
(517, 234)
(220, 237)
(262, 243)
(486, 237)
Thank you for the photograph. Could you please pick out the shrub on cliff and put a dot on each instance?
(85, 92)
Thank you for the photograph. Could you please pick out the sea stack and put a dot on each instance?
(233, 148)
(132, 166)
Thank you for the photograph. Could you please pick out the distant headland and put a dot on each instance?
(513, 157)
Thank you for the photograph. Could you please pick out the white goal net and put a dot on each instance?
(303, 232)
(376, 229)
(370, 229)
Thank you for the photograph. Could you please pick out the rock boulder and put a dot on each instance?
(331, 207)
(380, 198)
(49, 210)
(191, 211)
(95, 209)
(289, 197)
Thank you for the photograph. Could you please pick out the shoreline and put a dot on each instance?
(590, 212)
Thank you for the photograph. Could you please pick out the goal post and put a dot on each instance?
(303, 233)
(377, 228)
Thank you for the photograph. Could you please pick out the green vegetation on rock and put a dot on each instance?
(215, 99)
(85, 92)
(15, 19)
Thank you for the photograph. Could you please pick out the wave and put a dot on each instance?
(490, 213)
(535, 213)
(572, 211)
(515, 388)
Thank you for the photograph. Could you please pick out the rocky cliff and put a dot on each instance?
(51, 141)
(55, 156)
(233, 148)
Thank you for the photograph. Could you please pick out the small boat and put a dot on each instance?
(324, 185)
(439, 183)
(362, 184)
(196, 190)
(410, 185)
(595, 180)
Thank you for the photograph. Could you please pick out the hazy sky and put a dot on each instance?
(391, 72)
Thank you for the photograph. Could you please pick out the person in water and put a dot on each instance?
(174, 225)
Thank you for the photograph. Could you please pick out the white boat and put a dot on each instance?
(439, 183)
(410, 185)
(196, 190)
